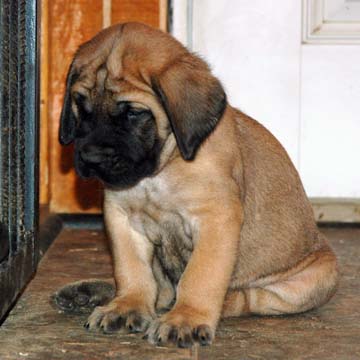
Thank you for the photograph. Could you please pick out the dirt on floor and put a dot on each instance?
(35, 330)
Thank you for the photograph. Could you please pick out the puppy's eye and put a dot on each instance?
(78, 98)
(134, 114)
(82, 102)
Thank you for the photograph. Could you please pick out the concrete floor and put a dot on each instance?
(35, 330)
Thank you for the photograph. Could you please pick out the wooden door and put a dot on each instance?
(65, 25)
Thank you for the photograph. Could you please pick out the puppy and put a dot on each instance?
(206, 215)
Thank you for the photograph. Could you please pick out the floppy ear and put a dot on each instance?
(193, 99)
(67, 118)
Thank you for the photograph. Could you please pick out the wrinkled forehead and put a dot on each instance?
(118, 77)
(123, 58)
(100, 80)
(104, 85)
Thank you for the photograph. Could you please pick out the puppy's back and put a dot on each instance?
(279, 228)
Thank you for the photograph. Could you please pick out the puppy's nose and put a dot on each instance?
(95, 154)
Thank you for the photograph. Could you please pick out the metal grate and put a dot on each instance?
(18, 147)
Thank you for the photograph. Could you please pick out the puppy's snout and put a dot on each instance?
(95, 154)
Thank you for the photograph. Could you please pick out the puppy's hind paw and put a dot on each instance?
(82, 297)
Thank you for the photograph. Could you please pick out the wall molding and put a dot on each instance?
(335, 210)
(331, 22)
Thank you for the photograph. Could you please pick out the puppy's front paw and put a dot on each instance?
(182, 328)
(83, 296)
(119, 314)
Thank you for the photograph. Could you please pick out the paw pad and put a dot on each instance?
(82, 296)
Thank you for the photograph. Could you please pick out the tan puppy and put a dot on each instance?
(204, 210)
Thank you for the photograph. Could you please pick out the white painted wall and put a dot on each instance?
(306, 95)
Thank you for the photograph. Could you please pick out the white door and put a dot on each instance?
(294, 66)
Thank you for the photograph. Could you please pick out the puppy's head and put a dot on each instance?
(128, 90)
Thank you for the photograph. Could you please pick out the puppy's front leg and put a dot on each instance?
(134, 304)
(202, 288)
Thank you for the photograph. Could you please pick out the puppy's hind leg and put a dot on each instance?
(81, 297)
(311, 284)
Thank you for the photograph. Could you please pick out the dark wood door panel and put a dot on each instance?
(70, 23)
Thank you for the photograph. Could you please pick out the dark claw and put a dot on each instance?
(86, 325)
(202, 334)
(185, 342)
(138, 322)
(173, 334)
(114, 325)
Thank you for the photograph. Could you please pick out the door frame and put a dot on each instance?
(19, 157)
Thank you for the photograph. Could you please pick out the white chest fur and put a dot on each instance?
(153, 210)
